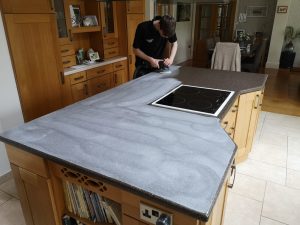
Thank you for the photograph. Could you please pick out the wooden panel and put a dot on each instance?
(120, 77)
(68, 61)
(135, 6)
(66, 50)
(34, 50)
(99, 71)
(119, 65)
(112, 52)
(131, 207)
(30, 6)
(77, 77)
(79, 91)
(110, 43)
(132, 21)
(130, 221)
(26, 160)
(99, 84)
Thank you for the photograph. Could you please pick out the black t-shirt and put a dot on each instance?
(148, 40)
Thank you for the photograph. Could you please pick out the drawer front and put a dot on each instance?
(77, 77)
(99, 84)
(80, 91)
(66, 50)
(119, 65)
(99, 71)
(110, 43)
(109, 53)
(68, 61)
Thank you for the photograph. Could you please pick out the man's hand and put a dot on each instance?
(154, 62)
(168, 62)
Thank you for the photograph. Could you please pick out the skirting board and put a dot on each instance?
(5, 177)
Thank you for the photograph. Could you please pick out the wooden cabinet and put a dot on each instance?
(37, 67)
(109, 19)
(34, 187)
(100, 84)
(30, 6)
(229, 121)
(132, 22)
(134, 6)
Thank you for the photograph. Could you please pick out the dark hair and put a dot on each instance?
(167, 25)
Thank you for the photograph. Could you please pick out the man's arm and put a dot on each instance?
(153, 62)
(169, 61)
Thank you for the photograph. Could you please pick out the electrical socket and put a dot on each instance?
(151, 214)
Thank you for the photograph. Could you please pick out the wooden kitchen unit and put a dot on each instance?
(40, 184)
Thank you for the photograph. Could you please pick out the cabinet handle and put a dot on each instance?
(130, 59)
(226, 124)
(70, 35)
(51, 4)
(233, 171)
(64, 50)
(233, 110)
(86, 89)
(101, 71)
(78, 78)
(118, 66)
(256, 102)
(113, 52)
(110, 43)
(66, 62)
(62, 77)
(101, 85)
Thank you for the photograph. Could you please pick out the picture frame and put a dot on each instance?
(94, 56)
(89, 21)
(257, 11)
(238, 32)
(75, 15)
(183, 12)
(282, 9)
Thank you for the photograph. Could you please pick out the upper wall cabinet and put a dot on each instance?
(30, 6)
(109, 19)
(135, 6)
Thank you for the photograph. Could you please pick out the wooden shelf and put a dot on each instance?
(85, 221)
(76, 30)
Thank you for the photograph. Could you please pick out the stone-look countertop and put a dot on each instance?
(80, 68)
(178, 158)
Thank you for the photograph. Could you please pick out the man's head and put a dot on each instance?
(167, 26)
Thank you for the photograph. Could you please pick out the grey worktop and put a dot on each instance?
(174, 157)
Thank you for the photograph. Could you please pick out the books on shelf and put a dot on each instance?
(89, 205)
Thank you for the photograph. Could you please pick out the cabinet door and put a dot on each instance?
(244, 124)
(61, 22)
(135, 6)
(79, 91)
(109, 19)
(34, 52)
(36, 197)
(99, 84)
(132, 22)
(30, 6)
(120, 77)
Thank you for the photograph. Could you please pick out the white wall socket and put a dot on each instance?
(151, 214)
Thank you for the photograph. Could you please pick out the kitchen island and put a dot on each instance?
(145, 158)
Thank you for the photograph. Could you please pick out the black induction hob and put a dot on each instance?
(195, 99)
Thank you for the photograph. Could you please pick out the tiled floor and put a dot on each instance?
(267, 185)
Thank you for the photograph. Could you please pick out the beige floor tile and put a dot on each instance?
(293, 179)
(4, 197)
(242, 211)
(284, 120)
(270, 137)
(267, 221)
(9, 187)
(262, 171)
(293, 162)
(11, 213)
(294, 145)
(282, 204)
(249, 187)
(271, 154)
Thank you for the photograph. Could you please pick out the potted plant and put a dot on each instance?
(288, 54)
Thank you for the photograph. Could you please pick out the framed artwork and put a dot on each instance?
(183, 12)
(257, 11)
(90, 21)
(282, 9)
(239, 33)
(75, 15)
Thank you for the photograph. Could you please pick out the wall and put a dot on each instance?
(257, 24)
(277, 38)
(10, 109)
(293, 20)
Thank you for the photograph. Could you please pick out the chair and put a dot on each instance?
(226, 56)
(253, 66)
